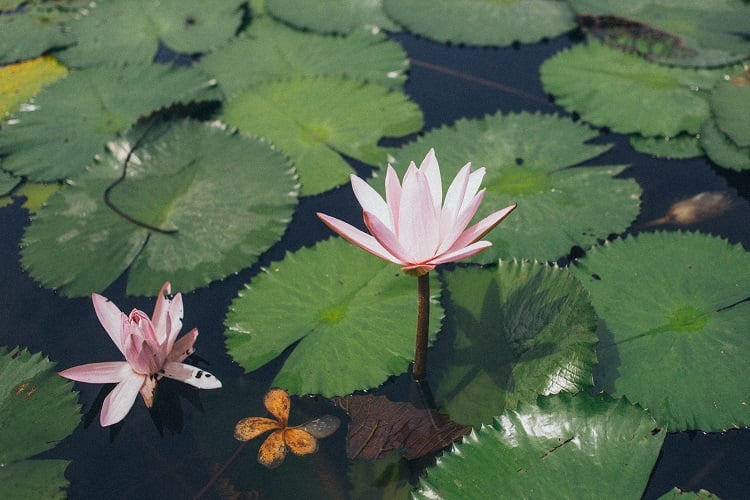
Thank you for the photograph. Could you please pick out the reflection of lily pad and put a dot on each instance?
(674, 333)
(19, 82)
(626, 93)
(332, 16)
(312, 120)
(512, 333)
(682, 32)
(350, 317)
(565, 446)
(721, 149)
(479, 22)
(36, 30)
(270, 51)
(229, 198)
(132, 29)
(37, 410)
(93, 105)
(526, 158)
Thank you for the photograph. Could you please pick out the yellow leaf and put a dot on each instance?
(20, 82)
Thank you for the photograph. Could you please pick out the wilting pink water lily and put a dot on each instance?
(151, 351)
(413, 226)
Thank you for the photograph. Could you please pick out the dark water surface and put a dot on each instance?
(175, 451)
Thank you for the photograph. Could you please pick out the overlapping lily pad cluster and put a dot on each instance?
(180, 135)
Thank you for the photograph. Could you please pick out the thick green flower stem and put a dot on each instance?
(419, 372)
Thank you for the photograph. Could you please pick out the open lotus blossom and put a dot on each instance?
(413, 227)
(151, 352)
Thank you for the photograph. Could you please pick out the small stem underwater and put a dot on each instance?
(419, 371)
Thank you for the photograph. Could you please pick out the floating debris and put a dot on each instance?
(701, 207)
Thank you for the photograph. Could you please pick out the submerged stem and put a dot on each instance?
(419, 372)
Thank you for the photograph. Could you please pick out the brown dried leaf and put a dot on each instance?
(379, 426)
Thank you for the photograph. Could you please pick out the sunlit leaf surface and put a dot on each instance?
(37, 410)
(681, 32)
(526, 157)
(348, 318)
(511, 332)
(312, 120)
(481, 22)
(674, 326)
(563, 446)
(19, 82)
(37, 29)
(71, 120)
(271, 51)
(332, 16)
(228, 197)
(622, 91)
(133, 29)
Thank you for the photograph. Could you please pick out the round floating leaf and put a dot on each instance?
(37, 409)
(680, 147)
(681, 32)
(350, 317)
(674, 334)
(93, 104)
(7, 182)
(332, 16)
(132, 29)
(626, 93)
(526, 158)
(35, 30)
(721, 149)
(314, 119)
(19, 82)
(564, 446)
(479, 22)
(271, 51)
(229, 197)
(730, 104)
(511, 333)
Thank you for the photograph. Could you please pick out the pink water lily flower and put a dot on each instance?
(413, 226)
(151, 352)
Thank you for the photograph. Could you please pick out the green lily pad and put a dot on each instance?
(677, 32)
(680, 147)
(526, 157)
(36, 30)
(674, 326)
(94, 104)
(7, 182)
(332, 16)
(271, 51)
(132, 29)
(349, 320)
(611, 88)
(312, 120)
(675, 493)
(37, 410)
(730, 104)
(228, 197)
(563, 446)
(721, 149)
(511, 333)
(482, 22)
